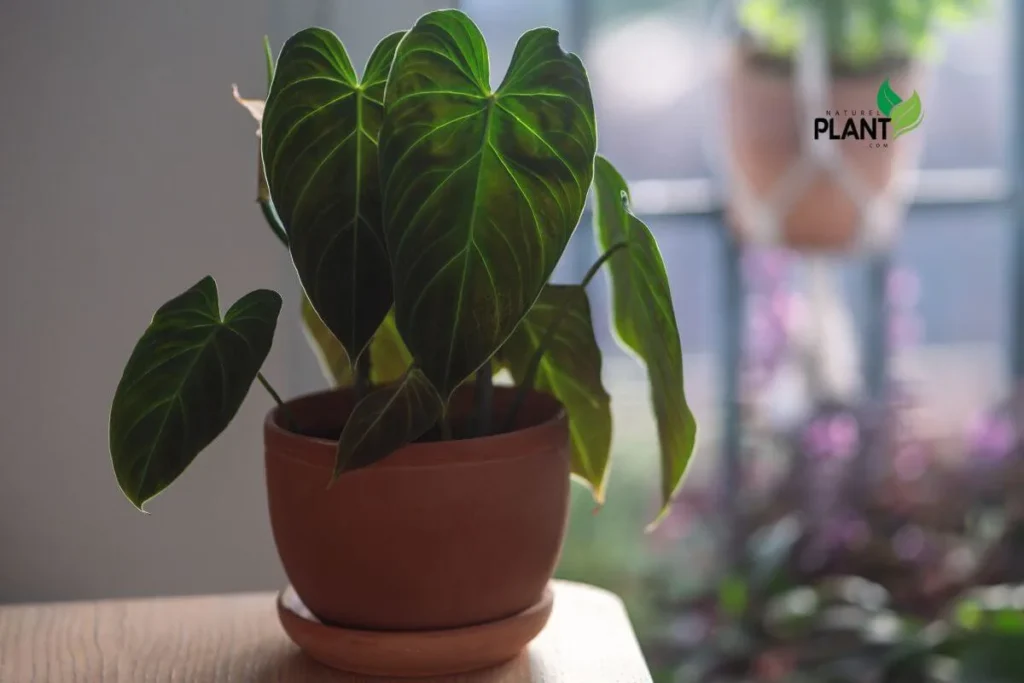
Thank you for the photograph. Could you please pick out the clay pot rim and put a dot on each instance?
(772, 66)
(545, 430)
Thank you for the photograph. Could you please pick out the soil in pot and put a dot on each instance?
(439, 535)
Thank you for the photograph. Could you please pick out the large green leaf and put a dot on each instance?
(386, 419)
(184, 383)
(570, 370)
(644, 320)
(482, 189)
(320, 130)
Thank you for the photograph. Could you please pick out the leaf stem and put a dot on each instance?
(484, 398)
(285, 411)
(446, 428)
(601, 260)
(530, 376)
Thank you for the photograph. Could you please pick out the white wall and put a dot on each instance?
(126, 174)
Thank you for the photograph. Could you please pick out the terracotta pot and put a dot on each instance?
(767, 131)
(438, 535)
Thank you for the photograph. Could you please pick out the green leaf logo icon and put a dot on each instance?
(906, 116)
(887, 98)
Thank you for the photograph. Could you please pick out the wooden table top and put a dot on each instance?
(237, 638)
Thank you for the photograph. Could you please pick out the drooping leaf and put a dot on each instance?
(386, 419)
(907, 115)
(482, 189)
(184, 382)
(389, 359)
(887, 98)
(320, 131)
(570, 370)
(644, 320)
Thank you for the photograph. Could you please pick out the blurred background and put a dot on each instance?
(852, 316)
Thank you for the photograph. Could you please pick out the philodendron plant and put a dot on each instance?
(424, 212)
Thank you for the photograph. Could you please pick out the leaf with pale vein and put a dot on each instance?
(386, 419)
(184, 382)
(482, 189)
(644, 320)
(320, 132)
(570, 370)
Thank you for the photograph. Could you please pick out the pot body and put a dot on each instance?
(768, 131)
(438, 535)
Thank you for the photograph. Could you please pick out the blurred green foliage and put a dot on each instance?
(859, 33)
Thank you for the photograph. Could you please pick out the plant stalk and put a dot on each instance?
(484, 398)
(446, 428)
(289, 418)
(530, 376)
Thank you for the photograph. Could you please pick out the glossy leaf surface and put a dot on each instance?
(570, 370)
(320, 131)
(184, 382)
(386, 419)
(482, 189)
(644, 321)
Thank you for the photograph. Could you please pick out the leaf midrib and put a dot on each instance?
(175, 396)
(470, 240)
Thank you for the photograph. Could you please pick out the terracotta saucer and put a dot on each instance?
(411, 654)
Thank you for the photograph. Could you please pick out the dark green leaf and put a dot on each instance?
(482, 190)
(570, 370)
(644, 320)
(320, 131)
(990, 657)
(387, 419)
(184, 383)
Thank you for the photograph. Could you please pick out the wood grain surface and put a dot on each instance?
(237, 638)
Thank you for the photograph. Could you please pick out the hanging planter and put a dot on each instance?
(817, 137)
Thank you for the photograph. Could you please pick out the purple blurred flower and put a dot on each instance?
(991, 436)
(909, 542)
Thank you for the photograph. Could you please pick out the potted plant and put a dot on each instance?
(424, 213)
(872, 51)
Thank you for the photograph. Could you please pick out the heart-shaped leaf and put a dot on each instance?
(570, 370)
(644, 320)
(184, 382)
(482, 189)
(387, 419)
(389, 359)
(887, 98)
(907, 115)
(320, 130)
